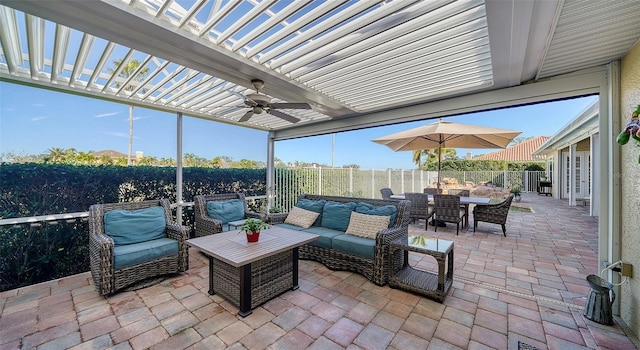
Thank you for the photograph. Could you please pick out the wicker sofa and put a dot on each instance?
(340, 251)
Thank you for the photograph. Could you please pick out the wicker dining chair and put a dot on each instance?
(206, 225)
(386, 193)
(447, 209)
(493, 213)
(432, 190)
(103, 249)
(420, 207)
(462, 193)
(459, 192)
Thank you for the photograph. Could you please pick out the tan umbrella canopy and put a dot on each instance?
(443, 134)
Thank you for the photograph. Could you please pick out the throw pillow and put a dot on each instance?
(386, 210)
(311, 205)
(336, 215)
(226, 211)
(367, 226)
(135, 226)
(301, 217)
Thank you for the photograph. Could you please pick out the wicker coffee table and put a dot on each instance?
(249, 274)
(431, 285)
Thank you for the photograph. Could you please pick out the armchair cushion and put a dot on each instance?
(385, 210)
(301, 217)
(337, 215)
(226, 211)
(135, 226)
(311, 205)
(138, 253)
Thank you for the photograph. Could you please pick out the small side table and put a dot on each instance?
(422, 282)
(236, 224)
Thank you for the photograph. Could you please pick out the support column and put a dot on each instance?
(270, 169)
(179, 201)
(572, 174)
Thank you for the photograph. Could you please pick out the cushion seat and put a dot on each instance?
(326, 235)
(360, 246)
(138, 253)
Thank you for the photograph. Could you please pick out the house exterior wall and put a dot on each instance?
(630, 185)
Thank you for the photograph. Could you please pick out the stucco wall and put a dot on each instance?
(630, 185)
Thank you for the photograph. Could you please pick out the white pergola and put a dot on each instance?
(358, 63)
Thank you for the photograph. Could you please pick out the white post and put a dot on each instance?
(270, 169)
(179, 168)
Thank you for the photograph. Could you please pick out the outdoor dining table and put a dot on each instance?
(463, 201)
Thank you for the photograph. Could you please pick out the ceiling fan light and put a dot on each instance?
(257, 110)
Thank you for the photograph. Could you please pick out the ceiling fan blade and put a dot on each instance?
(284, 116)
(245, 117)
(245, 99)
(293, 105)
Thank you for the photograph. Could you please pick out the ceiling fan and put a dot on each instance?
(262, 103)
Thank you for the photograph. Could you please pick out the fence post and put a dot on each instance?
(505, 179)
(351, 182)
(402, 180)
(373, 182)
(413, 180)
(320, 180)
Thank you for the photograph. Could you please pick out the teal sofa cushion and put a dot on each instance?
(364, 247)
(385, 210)
(336, 215)
(325, 234)
(311, 205)
(134, 254)
(135, 226)
(226, 211)
(290, 227)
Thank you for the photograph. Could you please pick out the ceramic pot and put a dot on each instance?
(253, 237)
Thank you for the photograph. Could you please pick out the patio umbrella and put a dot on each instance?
(447, 135)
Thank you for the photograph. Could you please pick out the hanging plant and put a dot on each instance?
(631, 130)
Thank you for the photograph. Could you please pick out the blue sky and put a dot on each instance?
(35, 120)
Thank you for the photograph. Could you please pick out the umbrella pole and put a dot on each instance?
(439, 161)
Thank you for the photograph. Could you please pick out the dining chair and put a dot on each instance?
(420, 207)
(493, 213)
(462, 193)
(386, 193)
(447, 209)
(432, 190)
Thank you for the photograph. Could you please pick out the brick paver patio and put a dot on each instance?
(528, 287)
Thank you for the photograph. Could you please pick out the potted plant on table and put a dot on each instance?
(252, 228)
(516, 193)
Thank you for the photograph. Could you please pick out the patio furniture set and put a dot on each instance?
(132, 242)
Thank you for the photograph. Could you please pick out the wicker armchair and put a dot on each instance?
(106, 277)
(386, 193)
(420, 207)
(432, 190)
(447, 209)
(205, 225)
(493, 213)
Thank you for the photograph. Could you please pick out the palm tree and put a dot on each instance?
(56, 155)
(129, 68)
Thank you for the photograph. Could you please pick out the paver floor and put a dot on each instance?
(527, 287)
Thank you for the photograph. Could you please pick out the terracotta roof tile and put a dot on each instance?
(521, 152)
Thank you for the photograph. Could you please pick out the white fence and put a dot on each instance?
(289, 183)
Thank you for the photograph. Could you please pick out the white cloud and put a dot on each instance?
(38, 105)
(103, 115)
(116, 134)
(35, 119)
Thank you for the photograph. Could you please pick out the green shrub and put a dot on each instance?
(33, 253)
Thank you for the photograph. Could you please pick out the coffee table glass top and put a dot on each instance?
(430, 244)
